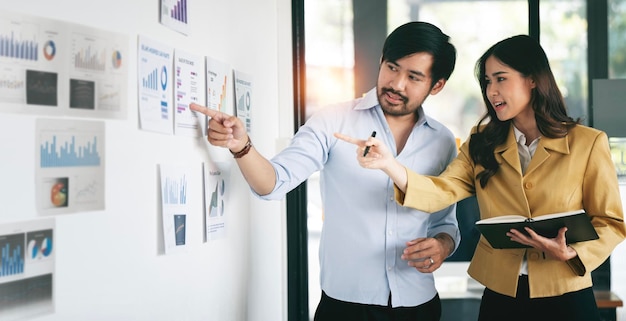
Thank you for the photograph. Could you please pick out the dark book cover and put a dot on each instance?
(579, 228)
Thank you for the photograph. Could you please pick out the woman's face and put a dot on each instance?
(508, 91)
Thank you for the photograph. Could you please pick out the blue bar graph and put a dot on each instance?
(151, 81)
(14, 48)
(175, 191)
(68, 154)
(11, 254)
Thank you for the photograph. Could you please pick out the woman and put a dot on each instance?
(527, 157)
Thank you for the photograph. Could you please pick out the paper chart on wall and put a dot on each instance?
(27, 269)
(219, 85)
(189, 87)
(98, 74)
(243, 97)
(70, 163)
(51, 67)
(154, 82)
(216, 198)
(174, 15)
(176, 206)
(218, 88)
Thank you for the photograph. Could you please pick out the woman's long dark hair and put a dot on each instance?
(525, 55)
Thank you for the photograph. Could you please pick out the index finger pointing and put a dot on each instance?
(347, 138)
(204, 110)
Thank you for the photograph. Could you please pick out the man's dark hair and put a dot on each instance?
(417, 36)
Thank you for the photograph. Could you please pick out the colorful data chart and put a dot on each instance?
(116, 59)
(68, 154)
(12, 254)
(39, 245)
(217, 97)
(49, 50)
(13, 47)
(179, 11)
(90, 58)
(152, 80)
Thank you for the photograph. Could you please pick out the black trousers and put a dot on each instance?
(572, 306)
(330, 309)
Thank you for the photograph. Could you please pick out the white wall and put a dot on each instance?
(108, 263)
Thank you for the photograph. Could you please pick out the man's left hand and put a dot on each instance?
(427, 254)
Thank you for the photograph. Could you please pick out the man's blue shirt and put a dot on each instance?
(364, 230)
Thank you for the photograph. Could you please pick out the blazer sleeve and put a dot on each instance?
(433, 193)
(602, 202)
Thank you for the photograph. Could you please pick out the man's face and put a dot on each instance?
(403, 85)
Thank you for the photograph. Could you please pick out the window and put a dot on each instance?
(473, 26)
(617, 38)
(330, 78)
(564, 38)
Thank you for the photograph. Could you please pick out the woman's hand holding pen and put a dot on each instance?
(378, 157)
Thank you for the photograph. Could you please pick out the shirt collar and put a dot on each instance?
(369, 100)
(520, 138)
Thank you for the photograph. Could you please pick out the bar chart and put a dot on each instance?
(88, 52)
(63, 151)
(151, 80)
(89, 59)
(12, 254)
(174, 14)
(217, 96)
(12, 46)
(179, 11)
(175, 190)
(70, 165)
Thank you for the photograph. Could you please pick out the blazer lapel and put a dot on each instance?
(509, 153)
(559, 145)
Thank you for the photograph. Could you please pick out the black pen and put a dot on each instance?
(367, 148)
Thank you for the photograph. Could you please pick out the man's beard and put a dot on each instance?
(393, 111)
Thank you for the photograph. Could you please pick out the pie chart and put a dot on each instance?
(46, 247)
(40, 248)
(33, 249)
(116, 59)
(49, 50)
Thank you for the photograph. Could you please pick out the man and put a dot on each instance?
(366, 235)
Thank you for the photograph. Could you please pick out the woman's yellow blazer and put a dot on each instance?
(565, 174)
